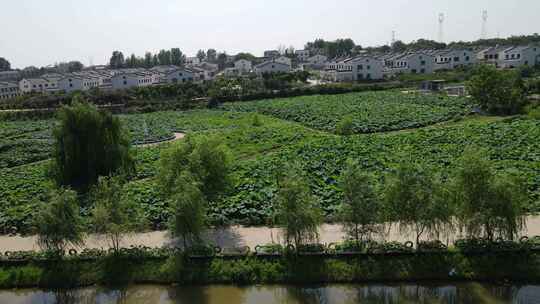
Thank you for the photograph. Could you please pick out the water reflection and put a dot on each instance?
(270, 294)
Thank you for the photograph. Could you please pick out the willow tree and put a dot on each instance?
(188, 207)
(362, 210)
(297, 211)
(417, 201)
(58, 223)
(489, 205)
(114, 217)
(88, 144)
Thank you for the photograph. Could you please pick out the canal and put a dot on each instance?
(293, 294)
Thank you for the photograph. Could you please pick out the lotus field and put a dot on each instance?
(297, 129)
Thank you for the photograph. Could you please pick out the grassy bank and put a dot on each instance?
(495, 267)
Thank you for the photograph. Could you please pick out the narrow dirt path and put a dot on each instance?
(235, 236)
(177, 136)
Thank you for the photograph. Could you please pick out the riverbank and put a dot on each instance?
(518, 266)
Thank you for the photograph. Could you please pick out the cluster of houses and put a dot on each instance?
(108, 79)
(363, 66)
(380, 66)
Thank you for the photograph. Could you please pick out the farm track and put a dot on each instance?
(235, 236)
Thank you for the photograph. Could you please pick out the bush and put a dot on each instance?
(59, 224)
(345, 126)
(498, 92)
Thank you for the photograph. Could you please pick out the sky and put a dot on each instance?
(38, 32)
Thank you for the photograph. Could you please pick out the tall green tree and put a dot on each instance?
(490, 205)
(117, 60)
(498, 92)
(177, 57)
(188, 205)
(201, 54)
(58, 223)
(206, 159)
(297, 212)
(164, 57)
(148, 63)
(361, 211)
(417, 201)
(211, 55)
(88, 144)
(114, 216)
(4, 64)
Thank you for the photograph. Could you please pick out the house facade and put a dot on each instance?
(271, 54)
(284, 60)
(519, 56)
(452, 59)
(9, 90)
(180, 76)
(74, 82)
(37, 85)
(272, 67)
(243, 65)
(414, 63)
(302, 55)
(132, 80)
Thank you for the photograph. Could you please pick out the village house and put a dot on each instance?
(243, 65)
(132, 80)
(9, 90)
(284, 60)
(519, 56)
(272, 67)
(180, 76)
(271, 54)
(452, 59)
(414, 63)
(37, 85)
(302, 55)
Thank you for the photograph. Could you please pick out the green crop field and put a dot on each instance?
(260, 152)
(371, 111)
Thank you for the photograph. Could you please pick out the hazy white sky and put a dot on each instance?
(38, 32)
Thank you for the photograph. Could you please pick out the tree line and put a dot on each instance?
(92, 156)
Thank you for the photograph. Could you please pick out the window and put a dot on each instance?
(513, 56)
(413, 71)
(518, 56)
(456, 59)
(423, 71)
(369, 67)
(360, 67)
(71, 85)
(125, 82)
(423, 62)
(467, 58)
(368, 76)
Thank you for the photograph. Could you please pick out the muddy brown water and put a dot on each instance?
(293, 294)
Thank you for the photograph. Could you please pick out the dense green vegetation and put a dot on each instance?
(494, 267)
(260, 145)
(371, 111)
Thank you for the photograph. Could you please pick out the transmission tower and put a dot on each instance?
(441, 27)
(484, 25)
(393, 37)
